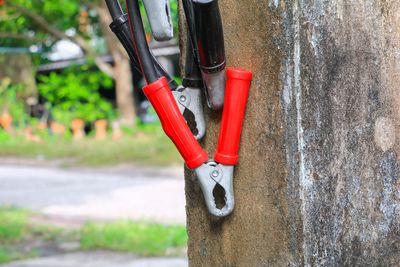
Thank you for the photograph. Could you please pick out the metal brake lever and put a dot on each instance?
(210, 175)
(190, 98)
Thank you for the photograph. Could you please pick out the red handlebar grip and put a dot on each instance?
(236, 93)
(174, 124)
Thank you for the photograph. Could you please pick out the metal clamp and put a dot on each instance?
(159, 14)
(211, 175)
(171, 102)
(190, 98)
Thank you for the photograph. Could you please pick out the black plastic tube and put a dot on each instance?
(140, 42)
(120, 26)
(121, 29)
(115, 8)
(209, 35)
(188, 9)
(192, 76)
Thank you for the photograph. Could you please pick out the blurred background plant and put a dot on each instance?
(61, 63)
(74, 93)
(64, 78)
(11, 103)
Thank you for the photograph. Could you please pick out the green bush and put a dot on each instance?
(11, 102)
(74, 93)
(4, 136)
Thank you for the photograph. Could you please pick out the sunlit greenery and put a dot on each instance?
(13, 225)
(74, 93)
(64, 15)
(148, 239)
(11, 103)
(17, 231)
(146, 144)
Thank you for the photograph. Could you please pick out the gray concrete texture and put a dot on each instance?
(318, 177)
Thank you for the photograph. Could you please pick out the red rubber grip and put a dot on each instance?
(173, 123)
(236, 93)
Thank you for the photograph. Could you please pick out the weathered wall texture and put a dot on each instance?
(317, 183)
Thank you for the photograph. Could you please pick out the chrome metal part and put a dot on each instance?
(210, 175)
(159, 14)
(191, 98)
(215, 84)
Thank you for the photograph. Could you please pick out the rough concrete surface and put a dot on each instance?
(98, 259)
(317, 183)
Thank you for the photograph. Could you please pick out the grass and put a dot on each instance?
(5, 256)
(15, 229)
(146, 145)
(13, 225)
(148, 239)
(19, 237)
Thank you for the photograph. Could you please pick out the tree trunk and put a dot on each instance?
(317, 183)
(122, 71)
(18, 68)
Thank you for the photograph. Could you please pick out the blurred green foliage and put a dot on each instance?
(21, 237)
(11, 103)
(148, 239)
(61, 14)
(144, 145)
(74, 93)
(13, 225)
(14, 228)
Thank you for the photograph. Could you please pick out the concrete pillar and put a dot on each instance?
(317, 183)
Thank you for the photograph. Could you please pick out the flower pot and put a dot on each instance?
(57, 128)
(6, 122)
(78, 131)
(29, 135)
(116, 131)
(42, 126)
(101, 129)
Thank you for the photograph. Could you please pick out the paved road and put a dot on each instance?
(116, 193)
(98, 259)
